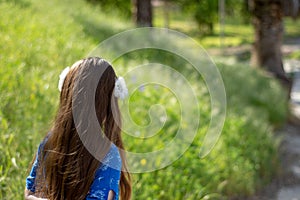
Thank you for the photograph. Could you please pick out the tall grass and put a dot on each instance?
(38, 40)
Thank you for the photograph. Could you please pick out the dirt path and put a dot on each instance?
(287, 185)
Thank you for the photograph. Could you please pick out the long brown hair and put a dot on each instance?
(67, 168)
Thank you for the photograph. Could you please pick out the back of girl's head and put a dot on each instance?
(88, 76)
(69, 166)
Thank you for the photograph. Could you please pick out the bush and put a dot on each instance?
(245, 156)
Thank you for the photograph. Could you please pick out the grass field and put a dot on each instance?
(40, 38)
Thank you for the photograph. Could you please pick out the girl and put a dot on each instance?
(63, 167)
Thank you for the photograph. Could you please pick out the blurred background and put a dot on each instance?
(254, 43)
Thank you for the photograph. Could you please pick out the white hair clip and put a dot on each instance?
(62, 77)
(120, 90)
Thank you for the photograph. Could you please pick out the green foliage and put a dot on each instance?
(206, 15)
(292, 28)
(40, 39)
(206, 12)
(238, 9)
(295, 55)
(122, 7)
(236, 32)
(242, 95)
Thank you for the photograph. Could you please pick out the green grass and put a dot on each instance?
(292, 27)
(40, 38)
(294, 55)
(245, 157)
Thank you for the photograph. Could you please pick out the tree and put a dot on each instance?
(143, 12)
(268, 26)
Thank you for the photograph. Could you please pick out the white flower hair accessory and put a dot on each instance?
(62, 77)
(120, 90)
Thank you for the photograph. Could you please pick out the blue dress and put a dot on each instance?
(106, 178)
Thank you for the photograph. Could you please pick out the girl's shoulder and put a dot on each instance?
(107, 176)
(112, 159)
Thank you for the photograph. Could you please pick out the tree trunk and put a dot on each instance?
(143, 12)
(268, 25)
